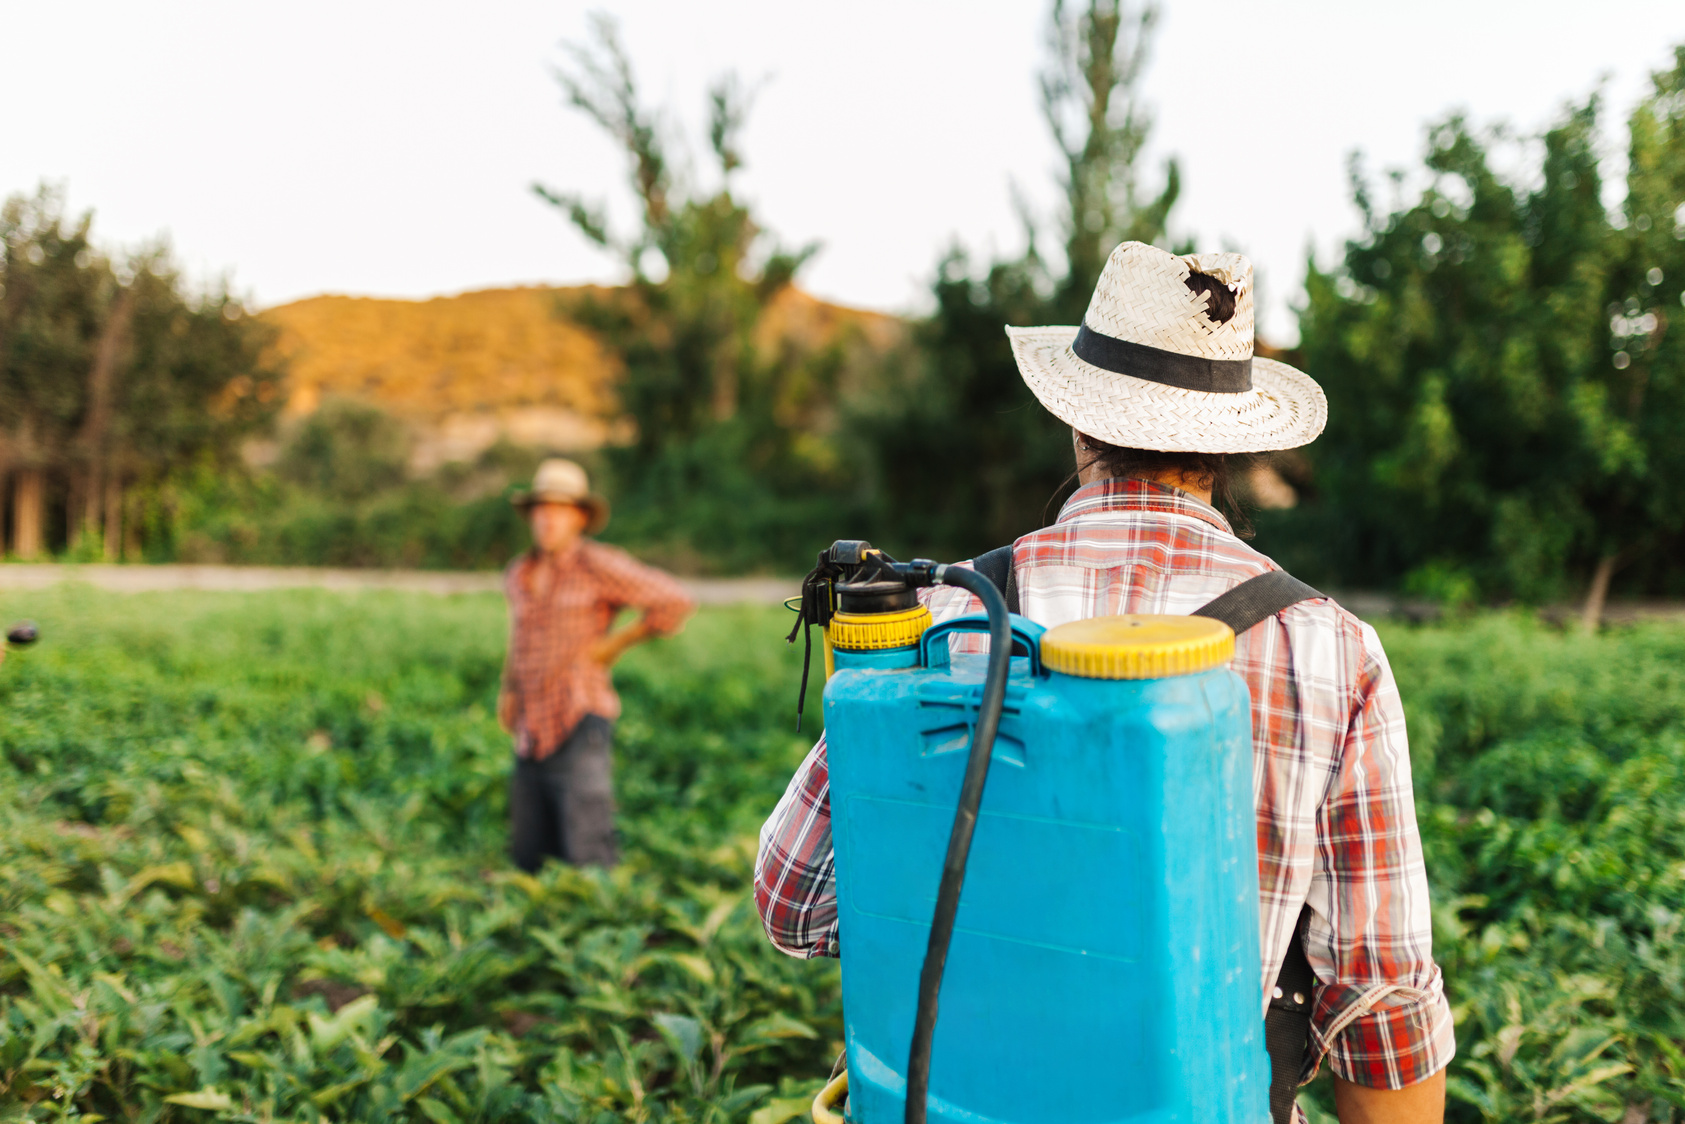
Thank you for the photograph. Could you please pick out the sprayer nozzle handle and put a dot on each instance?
(849, 552)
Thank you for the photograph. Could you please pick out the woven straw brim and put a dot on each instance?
(595, 506)
(1283, 410)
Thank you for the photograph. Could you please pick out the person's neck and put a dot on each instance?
(1094, 474)
(563, 552)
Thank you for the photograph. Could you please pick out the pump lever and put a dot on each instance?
(850, 552)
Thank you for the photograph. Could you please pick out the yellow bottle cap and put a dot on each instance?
(1137, 646)
(872, 632)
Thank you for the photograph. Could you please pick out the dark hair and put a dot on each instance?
(1220, 308)
(1220, 472)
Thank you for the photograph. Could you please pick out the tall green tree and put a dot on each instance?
(1641, 508)
(55, 292)
(1090, 96)
(724, 459)
(113, 376)
(1504, 396)
(962, 423)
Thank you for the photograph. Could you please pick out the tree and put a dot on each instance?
(112, 376)
(963, 420)
(348, 451)
(724, 457)
(1641, 508)
(1091, 99)
(1504, 400)
(54, 293)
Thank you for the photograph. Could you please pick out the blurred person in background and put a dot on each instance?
(558, 699)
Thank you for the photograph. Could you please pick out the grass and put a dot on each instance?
(252, 868)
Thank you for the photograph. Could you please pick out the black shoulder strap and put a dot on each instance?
(1287, 1025)
(1256, 600)
(996, 565)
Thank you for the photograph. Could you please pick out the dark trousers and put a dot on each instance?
(563, 806)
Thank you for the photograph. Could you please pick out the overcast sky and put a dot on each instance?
(388, 149)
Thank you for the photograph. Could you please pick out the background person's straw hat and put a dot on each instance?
(561, 481)
(1148, 369)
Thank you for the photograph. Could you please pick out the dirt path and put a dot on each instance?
(707, 591)
(141, 579)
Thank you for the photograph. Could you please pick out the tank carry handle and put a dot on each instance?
(1026, 640)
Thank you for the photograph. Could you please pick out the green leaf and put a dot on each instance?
(209, 1097)
(780, 1109)
(436, 1111)
(776, 1026)
(177, 874)
(331, 1031)
(682, 1032)
(322, 1098)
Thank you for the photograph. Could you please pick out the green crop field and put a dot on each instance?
(251, 859)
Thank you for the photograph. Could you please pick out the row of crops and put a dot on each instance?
(252, 868)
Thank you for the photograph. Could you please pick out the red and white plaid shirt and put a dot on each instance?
(558, 607)
(1331, 776)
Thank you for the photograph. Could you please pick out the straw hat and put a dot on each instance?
(1148, 369)
(562, 481)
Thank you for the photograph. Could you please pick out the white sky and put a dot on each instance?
(387, 148)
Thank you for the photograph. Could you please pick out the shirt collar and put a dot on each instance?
(1130, 494)
(534, 560)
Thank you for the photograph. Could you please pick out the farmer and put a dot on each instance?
(557, 698)
(1167, 406)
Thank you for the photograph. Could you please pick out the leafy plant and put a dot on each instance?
(251, 864)
(251, 868)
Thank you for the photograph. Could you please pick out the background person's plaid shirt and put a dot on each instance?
(558, 607)
(1331, 776)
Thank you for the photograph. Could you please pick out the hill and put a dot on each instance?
(468, 369)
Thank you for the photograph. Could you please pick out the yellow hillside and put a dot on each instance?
(466, 370)
(491, 350)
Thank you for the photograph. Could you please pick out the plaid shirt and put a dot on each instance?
(1331, 776)
(558, 607)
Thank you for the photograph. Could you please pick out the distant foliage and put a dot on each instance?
(1090, 98)
(114, 374)
(347, 451)
(1506, 374)
(961, 456)
(338, 502)
(732, 459)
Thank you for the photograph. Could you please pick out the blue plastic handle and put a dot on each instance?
(1024, 631)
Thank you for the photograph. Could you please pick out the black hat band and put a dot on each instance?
(1189, 372)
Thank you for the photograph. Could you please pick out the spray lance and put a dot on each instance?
(853, 575)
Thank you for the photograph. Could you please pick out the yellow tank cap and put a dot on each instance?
(1137, 646)
(872, 632)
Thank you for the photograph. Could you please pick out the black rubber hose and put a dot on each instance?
(959, 841)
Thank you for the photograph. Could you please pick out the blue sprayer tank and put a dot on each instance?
(1105, 962)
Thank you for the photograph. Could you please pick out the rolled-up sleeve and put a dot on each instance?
(1381, 1016)
(795, 868)
(624, 582)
